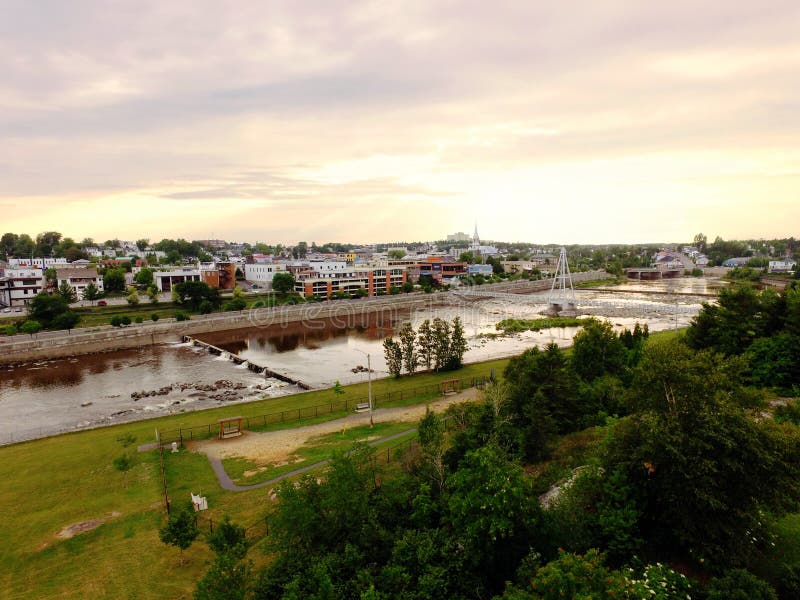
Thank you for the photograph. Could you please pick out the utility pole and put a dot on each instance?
(369, 390)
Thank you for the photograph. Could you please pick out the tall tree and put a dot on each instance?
(441, 344)
(393, 354)
(458, 345)
(426, 341)
(142, 244)
(91, 292)
(408, 346)
(283, 282)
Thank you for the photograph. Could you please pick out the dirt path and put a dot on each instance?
(278, 446)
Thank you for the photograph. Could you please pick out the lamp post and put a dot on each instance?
(369, 384)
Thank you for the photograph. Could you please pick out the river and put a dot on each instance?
(63, 395)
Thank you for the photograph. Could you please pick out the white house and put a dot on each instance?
(78, 279)
(37, 263)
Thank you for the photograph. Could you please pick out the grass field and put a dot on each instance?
(59, 481)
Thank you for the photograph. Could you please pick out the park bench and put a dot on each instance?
(362, 406)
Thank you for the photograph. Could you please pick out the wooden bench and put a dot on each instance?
(362, 406)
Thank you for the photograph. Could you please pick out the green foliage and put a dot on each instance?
(408, 287)
(228, 538)
(114, 280)
(228, 579)
(206, 307)
(132, 297)
(237, 301)
(196, 294)
(597, 350)
(338, 389)
(120, 320)
(144, 277)
(123, 462)
(31, 327)
(738, 584)
(408, 348)
(576, 576)
(706, 466)
(519, 325)
(180, 530)
(10, 330)
(91, 292)
(393, 354)
(66, 320)
(152, 294)
(426, 343)
(44, 308)
(67, 292)
(154, 317)
(788, 413)
(181, 316)
(744, 274)
(126, 439)
(283, 283)
(139, 319)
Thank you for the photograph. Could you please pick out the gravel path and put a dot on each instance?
(279, 446)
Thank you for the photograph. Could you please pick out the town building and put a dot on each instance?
(261, 274)
(782, 266)
(376, 281)
(21, 285)
(37, 263)
(166, 280)
(78, 279)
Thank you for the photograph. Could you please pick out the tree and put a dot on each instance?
(44, 308)
(31, 327)
(24, 246)
(132, 297)
(237, 301)
(396, 254)
(195, 293)
(441, 343)
(431, 440)
(597, 350)
(180, 530)
(144, 277)
(408, 287)
(738, 584)
(114, 280)
(46, 243)
(7, 244)
(283, 282)
(228, 538)
(426, 341)
(706, 468)
(152, 294)
(51, 277)
(67, 292)
(458, 346)
(301, 250)
(227, 579)
(467, 257)
(66, 320)
(700, 242)
(408, 347)
(393, 354)
(91, 292)
(142, 244)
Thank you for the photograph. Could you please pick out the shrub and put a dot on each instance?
(179, 316)
(10, 330)
(139, 320)
(154, 317)
(738, 584)
(206, 307)
(119, 321)
(31, 327)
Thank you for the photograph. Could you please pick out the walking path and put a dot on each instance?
(274, 446)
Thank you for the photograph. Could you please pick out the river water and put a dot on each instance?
(62, 395)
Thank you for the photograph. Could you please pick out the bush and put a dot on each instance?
(179, 316)
(10, 330)
(154, 317)
(139, 320)
(738, 584)
(120, 321)
(31, 327)
(206, 307)
(66, 320)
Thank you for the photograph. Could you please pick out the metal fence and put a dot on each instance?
(253, 423)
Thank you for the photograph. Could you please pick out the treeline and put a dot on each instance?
(439, 346)
(688, 478)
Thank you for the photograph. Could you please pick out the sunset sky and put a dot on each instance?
(552, 122)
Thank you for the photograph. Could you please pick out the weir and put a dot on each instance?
(211, 349)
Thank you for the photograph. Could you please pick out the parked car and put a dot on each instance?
(102, 303)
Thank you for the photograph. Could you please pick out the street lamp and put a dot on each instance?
(369, 384)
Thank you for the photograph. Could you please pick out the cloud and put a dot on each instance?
(564, 120)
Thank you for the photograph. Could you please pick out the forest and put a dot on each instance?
(629, 466)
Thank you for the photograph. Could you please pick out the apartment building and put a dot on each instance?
(328, 281)
(20, 285)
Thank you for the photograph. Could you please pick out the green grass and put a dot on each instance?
(517, 325)
(61, 480)
(595, 283)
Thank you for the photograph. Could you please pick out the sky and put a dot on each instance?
(610, 121)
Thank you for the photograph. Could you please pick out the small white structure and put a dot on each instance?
(782, 266)
(199, 502)
(174, 447)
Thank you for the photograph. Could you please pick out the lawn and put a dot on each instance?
(59, 481)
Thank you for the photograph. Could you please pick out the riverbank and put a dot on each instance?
(60, 344)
